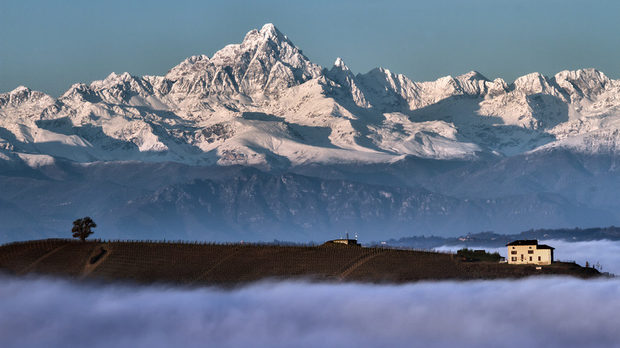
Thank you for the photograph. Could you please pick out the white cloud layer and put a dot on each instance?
(604, 252)
(551, 312)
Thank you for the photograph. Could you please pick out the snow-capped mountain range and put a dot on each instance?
(263, 103)
(257, 143)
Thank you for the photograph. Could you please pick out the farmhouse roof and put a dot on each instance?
(530, 242)
(523, 242)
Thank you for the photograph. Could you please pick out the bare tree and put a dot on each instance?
(82, 228)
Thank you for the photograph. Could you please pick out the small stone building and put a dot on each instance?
(522, 252)
(343, 241)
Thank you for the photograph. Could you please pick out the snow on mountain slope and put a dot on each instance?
(263, 103)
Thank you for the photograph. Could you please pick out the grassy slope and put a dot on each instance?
(146, 262)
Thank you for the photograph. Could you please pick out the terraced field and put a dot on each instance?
(229, 264)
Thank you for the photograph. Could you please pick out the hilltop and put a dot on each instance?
(221, 264)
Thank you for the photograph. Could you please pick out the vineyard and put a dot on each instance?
(223, 264)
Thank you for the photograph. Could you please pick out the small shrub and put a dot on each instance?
(478, 255)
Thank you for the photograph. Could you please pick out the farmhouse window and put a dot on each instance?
(530, 251)
(530, 258)
(539, 258)
(514, 252)
(514, 259)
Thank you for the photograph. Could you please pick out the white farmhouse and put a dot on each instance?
(521, 252)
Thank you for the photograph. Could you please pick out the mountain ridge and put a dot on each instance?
(263, 103)
(257, 142)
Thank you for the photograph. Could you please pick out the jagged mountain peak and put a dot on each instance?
(340, 73)
(383, 76)
(267, 32)
(265, 62)
(75, 89)
(381, 71)
(116, 87)
(22, 95)
(112, 79)
(472, 75)
(533, 76)
(340, 64)
(534, 83)
(191, 65)
(20, 89)
(268, 40)
(584, 74)
(15, 97)
(270, 31)
(583, 82)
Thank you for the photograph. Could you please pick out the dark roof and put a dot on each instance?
(524, 242)
(349, 241)
(544, 246)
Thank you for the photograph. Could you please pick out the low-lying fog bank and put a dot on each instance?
(604, 252)
(529, 312)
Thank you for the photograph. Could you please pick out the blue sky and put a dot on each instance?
(48, 45)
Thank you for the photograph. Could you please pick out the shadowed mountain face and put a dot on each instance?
(175, 201)
(257, 142)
